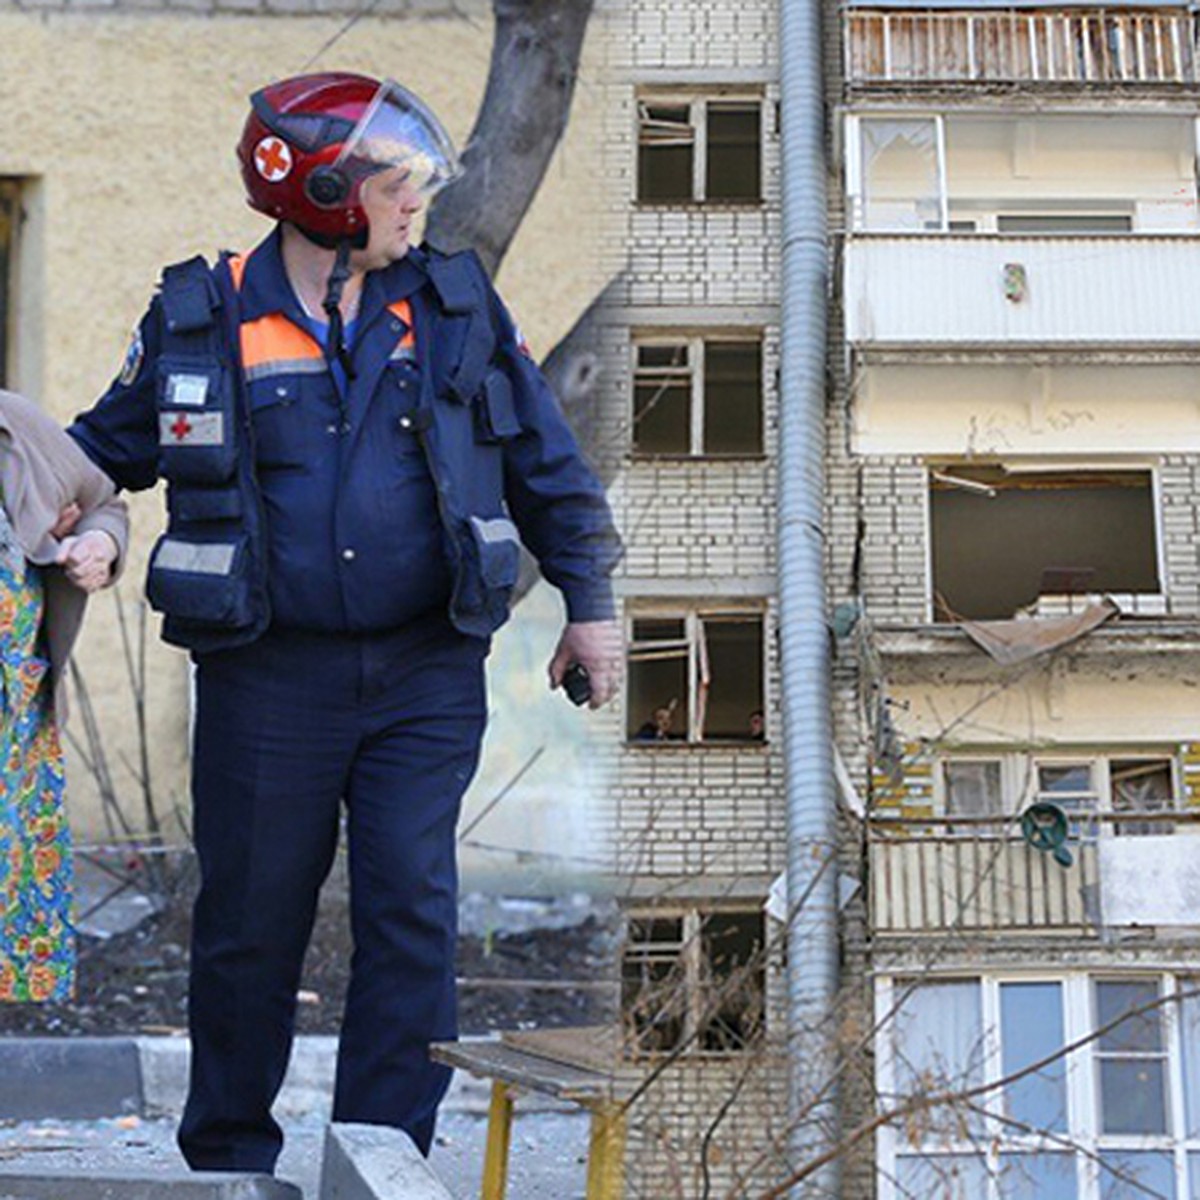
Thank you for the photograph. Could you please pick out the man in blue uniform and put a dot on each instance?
(353, 434)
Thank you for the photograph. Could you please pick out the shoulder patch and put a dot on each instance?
(134, 357)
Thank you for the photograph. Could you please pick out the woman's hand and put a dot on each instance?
(67, 520)
(88, 560)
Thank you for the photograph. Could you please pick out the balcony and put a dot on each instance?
(930, 875)
(1000, 290)
(1058, 47)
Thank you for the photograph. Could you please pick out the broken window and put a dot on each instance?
(733, 977)
(10, 215)
(695, 677)
(666, 152)
(653, 984)
(1142, 785)
(698, 396)
(1002, 539)
(662, 400)
(901, 173)
(693, 981)
(1119, 787)
(698, 150)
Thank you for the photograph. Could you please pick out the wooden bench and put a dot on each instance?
(575, 1065)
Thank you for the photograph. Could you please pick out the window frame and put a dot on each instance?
(1056, 467)
(1083, 1138)
(696, 344)
(1020, 783)
(692, 615)
(697, 104)
(691, 955)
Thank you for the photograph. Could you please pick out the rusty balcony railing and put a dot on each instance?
(1019, 46)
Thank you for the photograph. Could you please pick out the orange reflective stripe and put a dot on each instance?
(403, 310)
(237, 268)
(273, 345)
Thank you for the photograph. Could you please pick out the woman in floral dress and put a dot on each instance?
(61, 535)
(37, 960)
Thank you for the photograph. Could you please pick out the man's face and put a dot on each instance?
(391, 204)
(662, 719)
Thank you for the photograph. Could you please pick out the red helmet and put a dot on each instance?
(310, 142)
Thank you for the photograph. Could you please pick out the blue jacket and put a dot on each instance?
(502, 458)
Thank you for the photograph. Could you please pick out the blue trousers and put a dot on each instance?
(288, 729)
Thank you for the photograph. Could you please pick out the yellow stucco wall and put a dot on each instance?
(125, 126)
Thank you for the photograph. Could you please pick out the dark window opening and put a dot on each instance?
(732, 686)
(666, 152)
(733, 398)
(734, 980)
(654, 985)
(1002, 540)
(697, 679)
(662, 400)
(694, 982)
(734, 167)
(658, 680)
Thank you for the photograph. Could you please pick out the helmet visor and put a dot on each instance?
(399, 130)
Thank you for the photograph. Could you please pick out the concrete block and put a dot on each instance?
(375, 1162)
(307, 1088)
(69, 1079)
(148, 1185)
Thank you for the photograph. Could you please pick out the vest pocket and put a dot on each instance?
(495, 413)
(204, 504)
(203, 581)
(196, 439)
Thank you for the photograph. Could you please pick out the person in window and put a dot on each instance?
(658, 728)
(62, 535)
(758, 726)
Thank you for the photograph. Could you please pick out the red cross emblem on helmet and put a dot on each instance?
(273, 159)
(311, 142)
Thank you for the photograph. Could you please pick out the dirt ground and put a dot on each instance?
(135, 982)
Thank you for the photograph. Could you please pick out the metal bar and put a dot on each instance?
(499, 1137)
(606, 1153)
(1166, 816)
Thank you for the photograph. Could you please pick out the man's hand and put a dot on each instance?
(598, 647)
(88, 560)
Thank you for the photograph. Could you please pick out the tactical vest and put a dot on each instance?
(207, 573)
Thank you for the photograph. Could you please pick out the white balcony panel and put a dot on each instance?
(948, 290)
(1150, 881)
(926, 884)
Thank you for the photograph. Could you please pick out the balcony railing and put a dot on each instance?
(970, 289)
(933, 875)
(1077, 47)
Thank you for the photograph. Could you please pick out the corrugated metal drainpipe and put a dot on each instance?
(804, 632)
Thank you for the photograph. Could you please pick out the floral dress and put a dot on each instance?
(37, 943)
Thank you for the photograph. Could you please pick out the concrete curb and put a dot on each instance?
(90, 1078)
(372, 1162)
(70, 1078)
(87, 1185)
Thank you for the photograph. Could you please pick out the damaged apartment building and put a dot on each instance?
(1013, 571)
